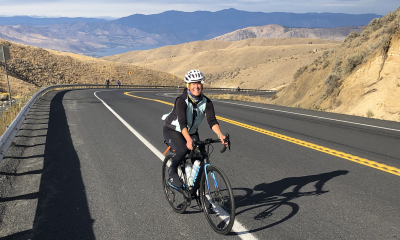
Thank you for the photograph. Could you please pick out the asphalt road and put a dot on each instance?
(76, 172)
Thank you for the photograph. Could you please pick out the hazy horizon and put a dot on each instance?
(107, 9)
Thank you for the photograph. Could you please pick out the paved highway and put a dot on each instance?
(78, 172)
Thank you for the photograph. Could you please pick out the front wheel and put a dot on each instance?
(174, 198)
(217, 200)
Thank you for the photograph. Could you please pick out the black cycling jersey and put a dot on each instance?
(179, 111)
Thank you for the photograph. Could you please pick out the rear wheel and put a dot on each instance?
(174, 198)
(217, 200)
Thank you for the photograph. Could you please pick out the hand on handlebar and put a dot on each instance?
(189, 144)
(225, 141)
(222, 137)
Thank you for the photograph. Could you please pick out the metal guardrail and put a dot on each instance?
(12, 130)
(181, 87)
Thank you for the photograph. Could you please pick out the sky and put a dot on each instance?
(122, 8)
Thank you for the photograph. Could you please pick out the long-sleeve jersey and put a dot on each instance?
(179, 112)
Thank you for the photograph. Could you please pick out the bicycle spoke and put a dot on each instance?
(219, 198)
(176, 199)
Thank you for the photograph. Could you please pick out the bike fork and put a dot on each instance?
(213, 176)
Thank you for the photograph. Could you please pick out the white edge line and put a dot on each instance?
(306, 115)
(238, 228)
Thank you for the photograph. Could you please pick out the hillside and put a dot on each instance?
(31, 67)
(252, 63)
(278, 31)
(360, 77)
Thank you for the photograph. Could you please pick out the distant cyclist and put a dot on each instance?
(119, 83)
(180, 126)
(108, 82)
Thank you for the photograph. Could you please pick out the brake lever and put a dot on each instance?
(194, 143)
(229, 143)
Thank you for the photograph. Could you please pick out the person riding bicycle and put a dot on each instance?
(108, 82)
(180, 126)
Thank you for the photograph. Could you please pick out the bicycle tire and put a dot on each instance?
(220, 212)
(175, 199)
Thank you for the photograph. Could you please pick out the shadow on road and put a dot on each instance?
(269, 204)
(21, 174)
(62, 211)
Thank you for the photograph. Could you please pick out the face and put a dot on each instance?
(195, 88)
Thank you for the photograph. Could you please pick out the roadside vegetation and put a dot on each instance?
(11, 113)
(320, 84)
(239, 97)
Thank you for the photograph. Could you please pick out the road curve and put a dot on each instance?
(78, 173)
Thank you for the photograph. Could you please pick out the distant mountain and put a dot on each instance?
(89, 35)
(278, 31)
(33, 21)
(202, 25)
(108, 34)
(84, 38)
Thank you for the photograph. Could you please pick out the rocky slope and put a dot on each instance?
(278, 31)
(32, 66)
(359, 77)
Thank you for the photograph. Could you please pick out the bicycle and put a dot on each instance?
(215, 199)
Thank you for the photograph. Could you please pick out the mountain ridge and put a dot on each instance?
(32, 21)
(232, 19)
(167, 28)
(278, 31)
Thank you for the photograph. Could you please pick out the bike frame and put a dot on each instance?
(205, 160)
(212, 198)
(199, 150)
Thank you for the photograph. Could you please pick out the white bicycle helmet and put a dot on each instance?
(194, 75)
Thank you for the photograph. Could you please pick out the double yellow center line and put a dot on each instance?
(333, 152)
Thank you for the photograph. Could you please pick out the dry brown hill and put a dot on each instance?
(32, 66)
(251, 63)
(278, 31)
(359, 77)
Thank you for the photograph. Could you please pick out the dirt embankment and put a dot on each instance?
(31, 67)
(251, 63)
(360, 77)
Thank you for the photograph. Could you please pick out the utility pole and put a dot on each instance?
(4, 56)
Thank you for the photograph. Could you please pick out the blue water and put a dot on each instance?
(113, 51)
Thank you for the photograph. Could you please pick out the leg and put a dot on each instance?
(178, 143)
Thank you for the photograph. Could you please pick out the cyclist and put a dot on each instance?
(119, 83)
(108, 82)
(180, 126)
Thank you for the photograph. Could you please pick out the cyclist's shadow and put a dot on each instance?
(269, 204)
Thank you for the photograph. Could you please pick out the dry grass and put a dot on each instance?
(331, 82)
(11, 113)
(34, 67)
(363, 62)
(239, 97)
(252, 63)
(370, 114)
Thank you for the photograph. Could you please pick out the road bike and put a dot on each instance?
(209, 186)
